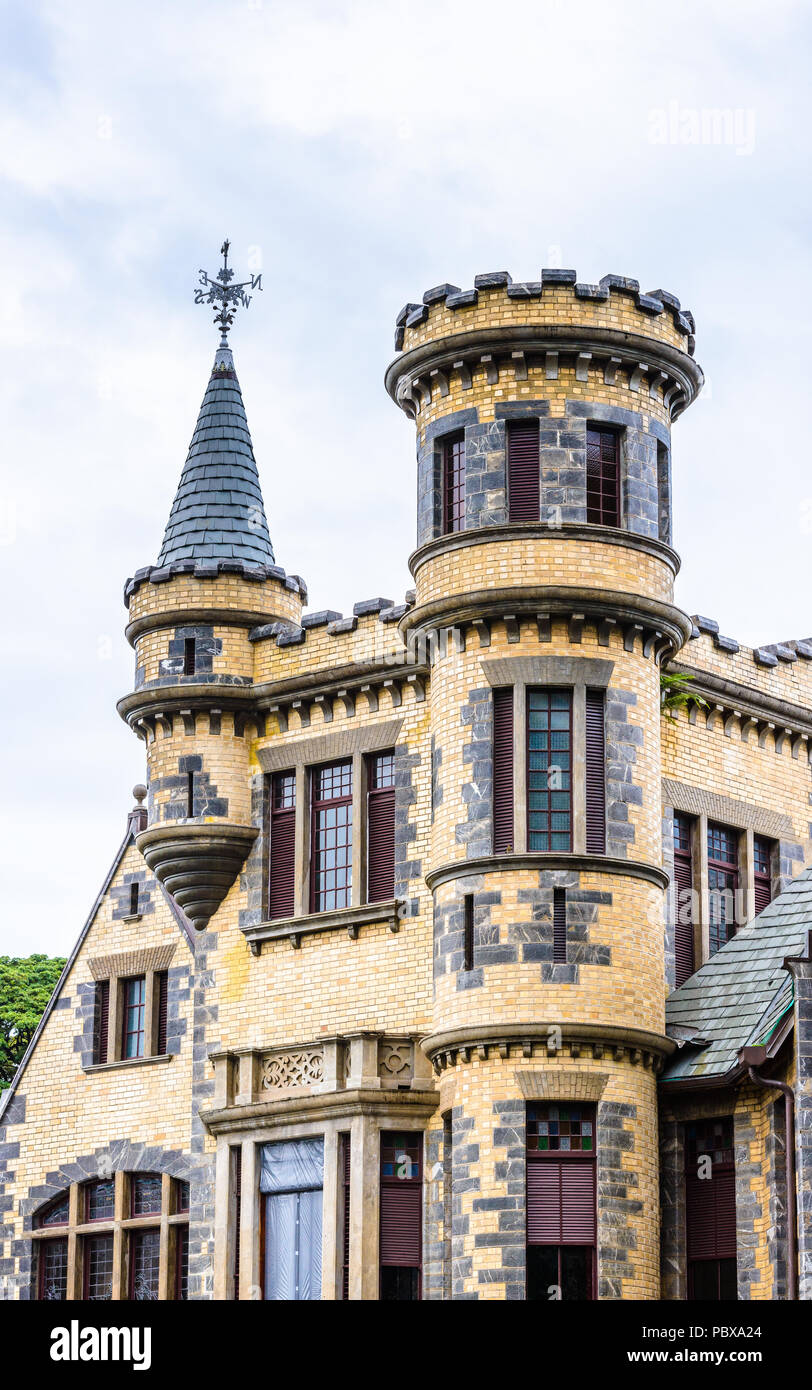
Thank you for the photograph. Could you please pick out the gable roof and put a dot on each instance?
(183, 924)
(218, 512)
(741, 994)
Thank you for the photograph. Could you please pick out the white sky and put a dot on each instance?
(364, 152)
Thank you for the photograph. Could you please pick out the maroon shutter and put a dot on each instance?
(683, 899)
(283, 845)
(762, 854)
(401, 1200)
(400, 1223)
(560, 1201)
(503, 769)
(381, 846)
(710, 1205)
(163, 993)
(523, 469)
(595, 758)
(101, 1021)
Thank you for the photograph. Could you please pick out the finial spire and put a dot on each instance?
(225, 296)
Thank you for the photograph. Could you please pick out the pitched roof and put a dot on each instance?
(738, 996)
(218, 513)
(183, 924)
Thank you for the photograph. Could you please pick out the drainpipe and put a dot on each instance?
(753, 1057)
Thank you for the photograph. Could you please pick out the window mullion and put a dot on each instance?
(121, 1212)
(166, 1251)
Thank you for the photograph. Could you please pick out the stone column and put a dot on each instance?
(364, 1208)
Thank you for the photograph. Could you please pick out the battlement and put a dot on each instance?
(641, 342)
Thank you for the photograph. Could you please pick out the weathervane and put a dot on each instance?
(225, 296)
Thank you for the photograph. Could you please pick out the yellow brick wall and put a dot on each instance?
(71, 1113)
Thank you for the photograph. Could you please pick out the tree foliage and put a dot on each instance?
(26, 985)
(676, 694)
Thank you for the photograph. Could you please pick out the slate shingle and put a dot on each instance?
(218, 512)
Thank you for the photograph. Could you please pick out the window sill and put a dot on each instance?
(129, 1062)
(350, 919)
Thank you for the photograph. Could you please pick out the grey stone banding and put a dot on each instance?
(655, 302)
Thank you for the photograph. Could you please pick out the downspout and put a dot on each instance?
(753, 1057)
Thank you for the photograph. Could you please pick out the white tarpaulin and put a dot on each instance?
(291, 1178)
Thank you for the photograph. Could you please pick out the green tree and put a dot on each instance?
(676, 694)
(26, 985)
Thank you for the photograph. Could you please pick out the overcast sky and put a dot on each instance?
(356, 153)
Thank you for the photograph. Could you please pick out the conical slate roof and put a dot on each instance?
(218, 513)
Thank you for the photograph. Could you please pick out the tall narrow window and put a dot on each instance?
(53, 1270)
(401, 1216)
(561, 1202)
(144, 1262)
(381, 828)
(683, 899)
(503, 770)
(133, 899)
(523, 471)
(283, 845)
(723, 882)
(468, 932)
(98, 1269)
(454, 484)
(602, 477)
(595, 760)
(101, 1019)
(163, 1001)
(190, 794)
(346, 1154)
(189, 656)
(291, 1181)
(549, 771)
(762, 872)
(135, 999)
(710, 1210)
(559, 926)
(331, 870)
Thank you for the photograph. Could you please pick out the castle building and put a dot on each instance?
(453, 955)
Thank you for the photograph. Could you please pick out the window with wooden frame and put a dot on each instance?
(145, 1247)
(561, 1201)
(762, 872)
(282, 858)
(91, 1266)
(602, 476)
(401, 1216)
(52, 1284)
(134, 1017)
(331, 837)
(723, 883)
(710, 1210)
(683, 898)
(453, 484)
(523, 470)
(549, 771)
(381, 827)
(503, 831)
